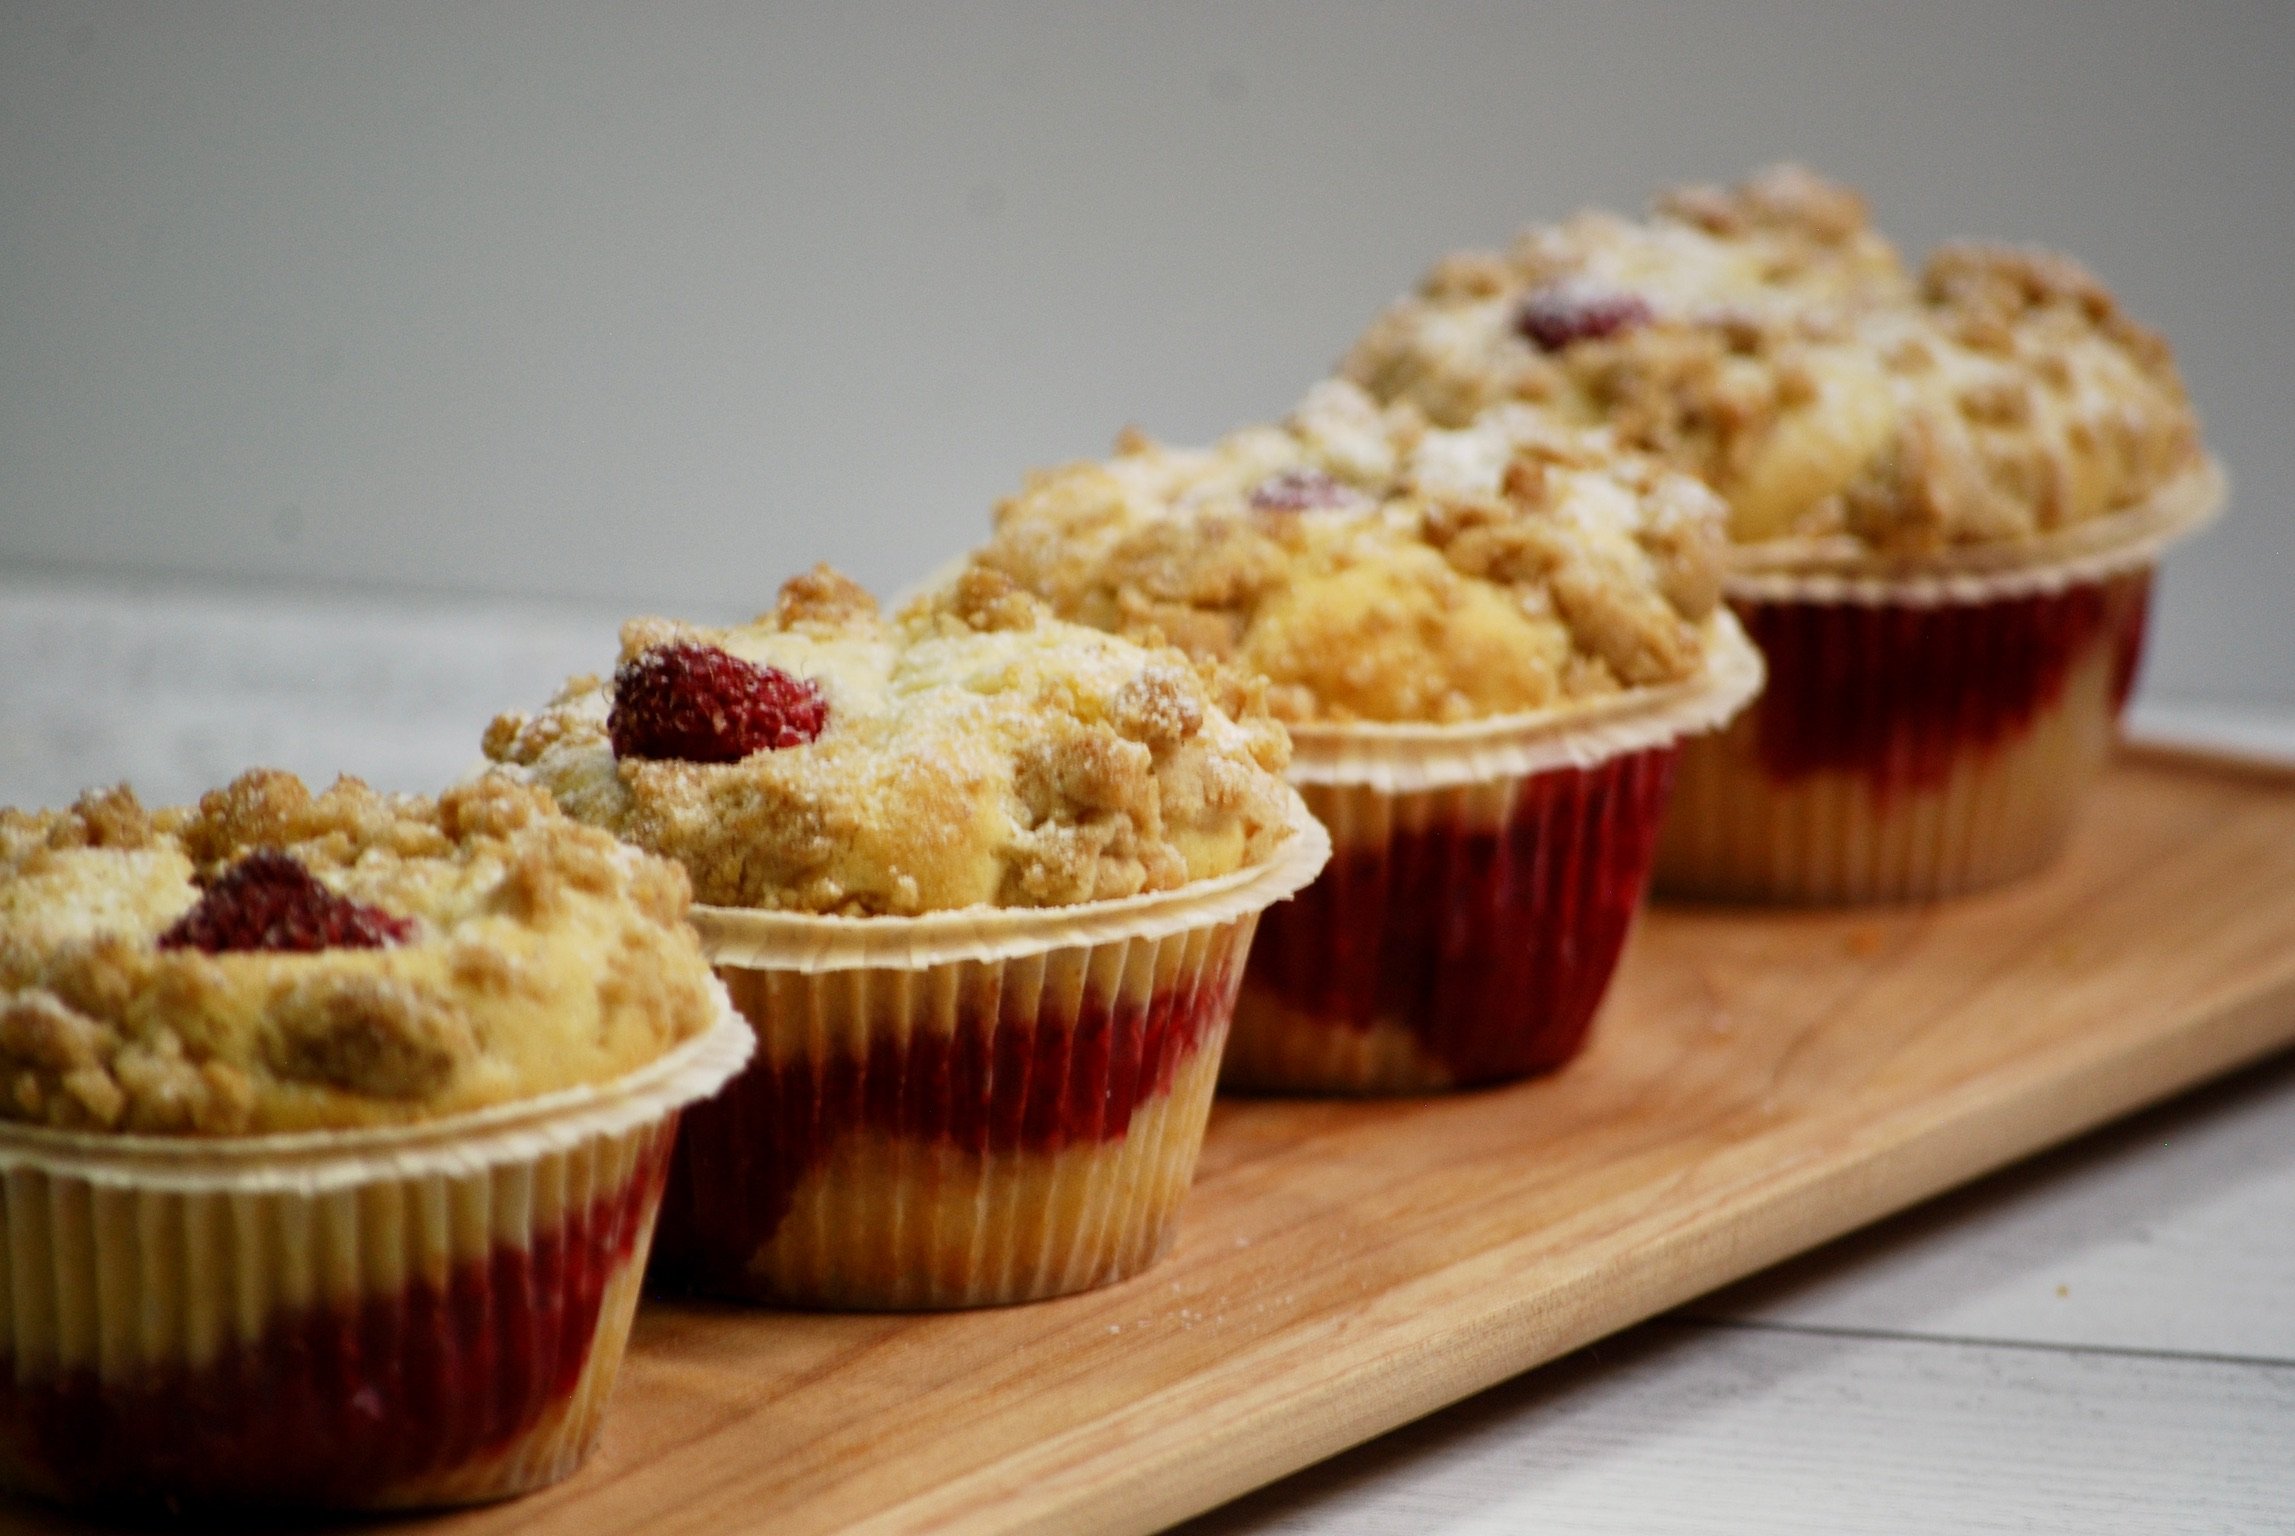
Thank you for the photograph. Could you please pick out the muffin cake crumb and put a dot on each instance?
(1767, 340)
(975, 751)
(1369, 566)
(400, 958)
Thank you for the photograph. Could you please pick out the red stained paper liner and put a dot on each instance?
(963, 1108)
(369, 1319)
(1482, 883)
(1928, 729)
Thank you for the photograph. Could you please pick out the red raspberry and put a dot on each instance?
(269, 901)
(698, 704)
(1555, 316)
(1301, 490)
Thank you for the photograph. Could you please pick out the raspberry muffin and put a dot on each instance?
(1718, 333)
(334, 1128)
(1486, 644)
(983, 883)
(1946, 495)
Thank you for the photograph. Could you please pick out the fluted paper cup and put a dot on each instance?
(1482, 881)
(963, 1108)
(370, 1319)
(1926, 730)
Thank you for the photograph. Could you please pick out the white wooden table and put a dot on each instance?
(2100, 1341)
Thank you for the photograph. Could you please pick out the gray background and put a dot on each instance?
(647, 308)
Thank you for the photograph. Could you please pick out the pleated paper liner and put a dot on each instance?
(1929, 728)
(963, 1108)
(1482, 882)
(424, 1315)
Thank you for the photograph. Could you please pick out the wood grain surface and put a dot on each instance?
(1760, 1082)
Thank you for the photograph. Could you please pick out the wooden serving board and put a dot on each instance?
(1762, 1081)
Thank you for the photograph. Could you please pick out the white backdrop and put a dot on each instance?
(651, 306)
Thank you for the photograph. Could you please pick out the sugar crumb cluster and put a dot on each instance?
(524, 952)
(1373, 566)
(974, 750)
(1767, 339)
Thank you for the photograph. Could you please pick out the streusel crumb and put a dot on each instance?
(2026, 401)
(1765, 339)
(974, 751)
(526, 953)
(1370, 567)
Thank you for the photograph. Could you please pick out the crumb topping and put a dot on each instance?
(1371, 567)
(1767, 340)
(2025, 401)
(974, 751)
(526, 954)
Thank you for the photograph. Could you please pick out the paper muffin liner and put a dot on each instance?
(1482, 883)
(963, 1108)
(1927, 732)
(424, 1315)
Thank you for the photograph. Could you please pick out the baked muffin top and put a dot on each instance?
(1372, 568)
(2024, 401)
(275, 960)
(1767, 340)
(974, 751)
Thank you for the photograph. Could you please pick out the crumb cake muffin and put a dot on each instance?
(1946, 494)
(334, 1127)
(1718, 334)
(983, 883)
(1485, 641)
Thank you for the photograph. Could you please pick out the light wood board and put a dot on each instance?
(1761, 1081)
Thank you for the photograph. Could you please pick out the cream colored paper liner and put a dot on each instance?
(2002, 812)
(1844, 571)
(893, 1221)
(1371, 782)
(1999, 813)
(880, 1220)
(1404, 758)
(1556, 908)
(2003, 808)
(124, 1254)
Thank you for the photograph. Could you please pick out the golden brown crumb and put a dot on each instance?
(499, 993)
(977, 751)
(1785, 357)
(2032, 403)
(1788, 199)
(1367, 567)
(825, 597)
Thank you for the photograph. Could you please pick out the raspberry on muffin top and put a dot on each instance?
(1372, 568)
(275, 960)
(1764, 338)
(972, 751)
(1720, 289)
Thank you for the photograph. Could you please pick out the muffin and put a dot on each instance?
(334, 1127)
(1719, 333)
(983, 883)
(1485, 642)
(1947, 494)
